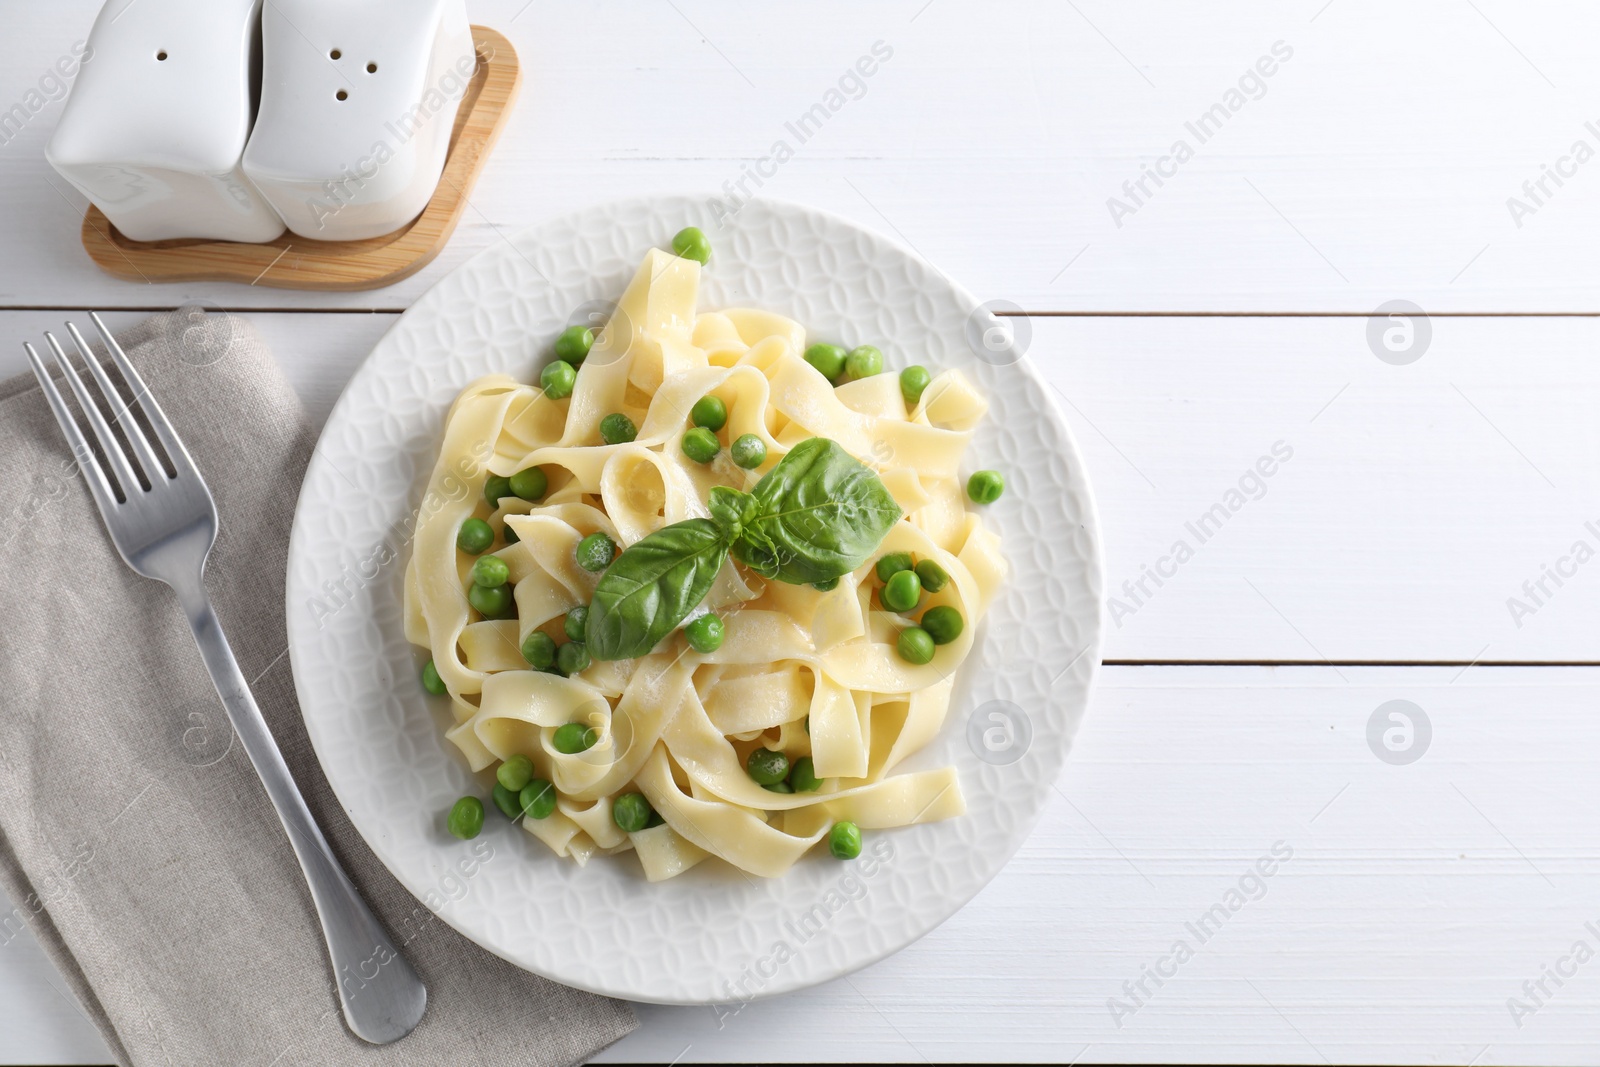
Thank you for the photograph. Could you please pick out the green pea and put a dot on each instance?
(574, 737)
(932, 576)
(749, 451)
(574, 343)
(892, 564)
(710, 412)
(700, 445)
(705, 633)
(475, 536)
(490, 571)
(808, 725)
(495, 487)
(572, 657)
(863, 362)
(902, 591)
(655, 820)
(511, 537)
(491, 602)
(943, 623)
(537, 799)
(431, 680)
(913, 380)
(539, 649)
(690, 243)
(529, 483)
(558, 378)
(515, 772)
(844, 840)
(631, 812)
(767, 766)
(617, 429)
(779, 787)
(827, 586)
(576, 623)
(506, 801)
(466, 818)
(985, 487)
(828, 359)
(915, 646)
(596, 552)
(804, 776)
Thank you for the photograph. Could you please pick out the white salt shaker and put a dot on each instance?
(358, 98)
(156, 124)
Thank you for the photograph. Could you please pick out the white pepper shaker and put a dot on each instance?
(358, 98)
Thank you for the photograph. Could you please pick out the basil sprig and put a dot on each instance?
(652, 586)
(814, 517)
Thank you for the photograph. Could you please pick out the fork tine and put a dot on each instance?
(124, 415)
(109, 446)
(104, 497)
(181, 460)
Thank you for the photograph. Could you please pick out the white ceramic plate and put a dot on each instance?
(712, 935)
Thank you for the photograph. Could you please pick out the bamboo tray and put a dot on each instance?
(295, 262)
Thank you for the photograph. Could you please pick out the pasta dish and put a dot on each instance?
(703, 588)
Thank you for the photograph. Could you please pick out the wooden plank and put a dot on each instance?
(1377, 165)
(1414, 905)
(1417, 900)
(1420, 503)
(39, 1014)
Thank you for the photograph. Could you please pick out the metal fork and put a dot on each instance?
(164, 526)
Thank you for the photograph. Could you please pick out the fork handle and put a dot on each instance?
(382, 997)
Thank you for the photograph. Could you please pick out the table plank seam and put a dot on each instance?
(1344, 663)
(359, 310)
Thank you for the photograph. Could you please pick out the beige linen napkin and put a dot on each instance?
(138, 844)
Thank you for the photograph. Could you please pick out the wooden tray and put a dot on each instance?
(295, 262)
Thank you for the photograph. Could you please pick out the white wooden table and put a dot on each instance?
(1192, 328)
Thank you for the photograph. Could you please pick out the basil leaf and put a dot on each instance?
(818, 515)
(649, 589)
(730, 510)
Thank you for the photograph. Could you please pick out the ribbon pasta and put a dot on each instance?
(813, 673)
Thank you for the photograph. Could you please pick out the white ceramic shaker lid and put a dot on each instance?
(158, 120)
